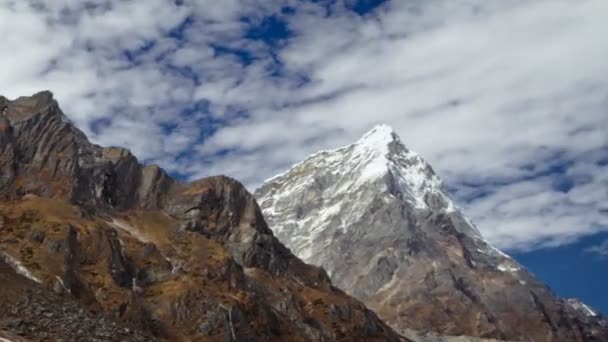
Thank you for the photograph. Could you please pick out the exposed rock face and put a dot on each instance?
(378, 219)
(53, 158)
(165, 259)
(221, 207)
(7, 153)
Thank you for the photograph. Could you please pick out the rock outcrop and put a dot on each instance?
(92, 228)
(376, 216)
(55, 159)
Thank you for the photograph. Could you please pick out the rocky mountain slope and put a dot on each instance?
(376, 217)
(94, 243)
(29, 309)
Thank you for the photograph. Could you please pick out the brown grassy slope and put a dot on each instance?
(175, 284)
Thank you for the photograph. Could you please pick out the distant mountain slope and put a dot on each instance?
(116, 239)
(376, 216)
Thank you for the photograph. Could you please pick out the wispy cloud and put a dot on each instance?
(507, 100)
(600, 250)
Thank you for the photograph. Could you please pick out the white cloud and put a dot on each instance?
(491, 93)
(601, 249)
(481, 96)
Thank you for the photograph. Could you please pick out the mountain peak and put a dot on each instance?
(378, 157)
(379, 134)
(378, 219)
(379, 138)
(24, 107)
(114, 236)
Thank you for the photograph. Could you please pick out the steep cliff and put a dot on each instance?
(126, 242)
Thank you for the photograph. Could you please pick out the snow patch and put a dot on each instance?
(508, 267)
(588, 310)
(305, 251)
(19, 268)
(391, 283)
(62, 284)
(125, 227)
(377, 139)
(497, 251)
(582, 307)
(373, 170)
(175, 267)
(491, 250)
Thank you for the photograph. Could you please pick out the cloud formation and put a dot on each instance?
(601, 250)
(507, 100)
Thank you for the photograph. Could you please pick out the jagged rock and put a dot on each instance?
(155, 183)
(221, 208)
(376, 216)
(119, 267)
(56, 158)
(7, 157)
(112, 241)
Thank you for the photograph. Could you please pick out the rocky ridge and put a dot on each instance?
(90, 226)
(376, 216)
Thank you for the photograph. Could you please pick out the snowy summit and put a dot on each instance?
(376, 216)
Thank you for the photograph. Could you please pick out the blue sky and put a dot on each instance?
(573, 270)
(506, 99)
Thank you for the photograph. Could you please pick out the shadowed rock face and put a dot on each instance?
(378, 219)
(163, 258)
(53, 158)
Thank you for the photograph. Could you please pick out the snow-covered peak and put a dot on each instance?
(341, 184)
(372, 153)
(371, 148)
(385, 154)
(378, 156)
(378, 219)
(378, 137)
